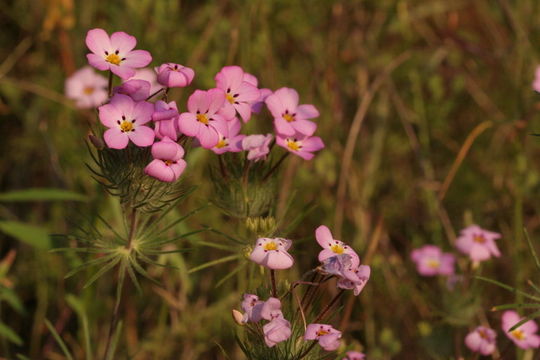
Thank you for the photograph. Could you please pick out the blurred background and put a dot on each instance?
(427, 112)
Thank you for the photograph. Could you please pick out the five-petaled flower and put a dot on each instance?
(301, 145)
(332, 247)
(240, 91)
(168, 164)
(289, 117)
(524, 336)
(276, 331)
(326, 335)
(115, 53)
(478, 243)
(257, 146)
(481, 340)
(252, 307)
(232, 141)
(272, 253)
(431, 261)
(125, 119)
(87, 88)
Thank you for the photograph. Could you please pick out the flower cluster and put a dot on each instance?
(338, 260)
(213, 118)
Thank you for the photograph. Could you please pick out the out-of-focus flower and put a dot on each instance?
(536, 82)
(478, 243)
(354, 355)
(136, 89)
(431, 261)
(301, 145)
(87, 88)
(289, 117)
(332, 247)
(258, 146)
(525, 335)
(232, 141)
(202, 121)
(168, 164)
(481, 340)
(165, 119)
(326, 335)
(147, 75)
(125, 119)
(276, 331)
(174, 75)
(355, 279)
(240, 91)
(272, 253)
(252, 307)
(115, 53)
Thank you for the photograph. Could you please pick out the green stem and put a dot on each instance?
(302, 355)
(275, 166)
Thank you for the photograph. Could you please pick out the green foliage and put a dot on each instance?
(33, 235)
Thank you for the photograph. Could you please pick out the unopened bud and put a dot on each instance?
(237, 317)
(97, 142)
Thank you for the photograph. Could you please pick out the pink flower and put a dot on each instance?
(202, 121)
(431, 261)
(536, 82)
(256, 107)
(240, 91)
(166, 120)
(125, 119)
(252, 307)
(174, 75)
(232, 141)
(481, 340)
(272, 253)
(354, 355)
(326, 335)
(332, 247)
(301, 145)
(478, 243)
(257, 145)
(355, 279)
(87, 88)
(271, 309)
(276, 331)
(115, 53)
(147, 75)
(168, 164)
(289, 117)
(525, 335)
(138, 90)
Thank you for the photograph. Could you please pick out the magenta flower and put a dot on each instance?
(258, 146)
(301, 145)
(478, 243)
(87, 88)
(354, 355)
(271, 309)
(332, 247)
(115, 53)
(289, 117)
(125, 119)
(147, 75)
(326, 335)
(355, 279)
(276, 331)
(240, 92)
(525, 335)
(481, 340)
(202, 121)
(136, 89)
(252, 307)
(168, 164)
(431, 261)
(272, 253)
(232, 141)
(174, 75)
(536, 82)
(166, 120)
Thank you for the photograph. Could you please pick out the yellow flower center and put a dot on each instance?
(168, 162)
(434, 264)
(221, 143)
(113, 59)
(322, 332)
(288, 117)
(270, 246)
(483, 334)
(88, 90)
(479, 239)
(229, 98)
(518, 334)
(293, 145)
(202, 119)
(338, 249)
(126, 126)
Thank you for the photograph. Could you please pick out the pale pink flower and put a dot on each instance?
(289, 117)
(332, 247)
(168, 164)
(258, 146)
(165, 119)
(525, 335)
(354, 355)
(536, 82)
(276, 331)
(87, 88)
(272, 253)
(431, 261)
(355, 279)
(136, 89)
(301, 145)
(125, 119)
(478, 243)
(202, 121)
(232, 140)
(252, 307)
(115, 53)
(174, 75)
(147, 75)
(271, 309)
(481, 340)
(326, 335)
(240, 92)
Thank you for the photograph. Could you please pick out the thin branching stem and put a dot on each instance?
(304, 354)
(328, 307)
(222, 167)
(154, 94)
(273, 280)
(109, 91)
(274, 168)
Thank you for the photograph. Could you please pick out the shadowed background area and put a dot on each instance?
(426, 111)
